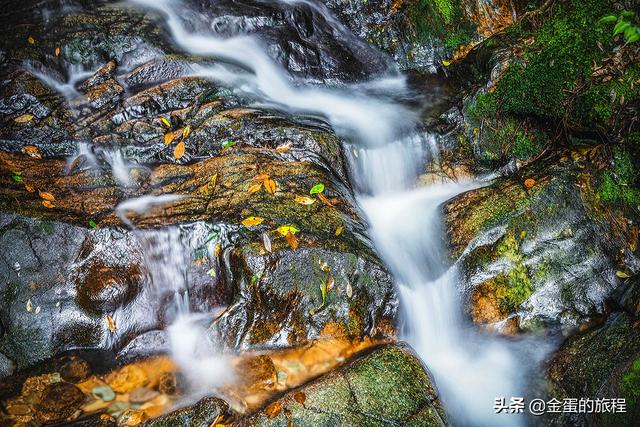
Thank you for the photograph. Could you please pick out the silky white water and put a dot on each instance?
(387, 155)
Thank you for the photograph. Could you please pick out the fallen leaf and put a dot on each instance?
(270, 186)
(37, 310)
(228, 143)
(330, 283)
(305, 200)
(214, 180)
(300, 397)
(32, 151)
(168, 137)
(287, 229)
(261, 178)
(324, 200)
(165, 122)
(529, 182)
(349, 290)
(292, 241)
(17, 176)
(29, 306)
(217, 249)
(317, 189)
(186, 131)
(29, 188)
(211, 272)
(57, 51)
(283, 148)
(111, 323)
(339, 230)
(92, 224)
(273, 410)
(31, 40)
(252, 220)
(47, 204)
(250, 166)
(622, 274)
(254, 188)
(23, 118)
(178, 152)
(446, 63)
(266, 241)
(46, 196)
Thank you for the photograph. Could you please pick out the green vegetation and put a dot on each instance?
(514, 287)
(631, 383)
(626, 23)
(442, 19)
(619, 185)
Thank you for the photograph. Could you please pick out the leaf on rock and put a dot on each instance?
(178, 152)
(300, 397)
(23, 118)
(31, 40)
(17, 177)
(287, 229)
(32, 151)
(186, 131)
(339, 230)
(317, 189)
(622, 274)
(46, 196)
(29, 188)
(29, 305)
(169, 137)
(47, 204)
(266, 241)
(273, 410)
(324, 200)
(283, 148)
(214, 180)
(165, 122)
(305, 200)
(270, 186)
(252, 220)
(254, 188)
(349, 290)
(57, 51)
(292, 241)
(330, 283)
(529, 182)
(92, 223)
(261, 178)
(228, 143)
(111, 323)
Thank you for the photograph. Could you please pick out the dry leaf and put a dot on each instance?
(29, 305)
(165, 122)
(324, 200)
(349, 290)
(214, 180)
(168, 138)
(57, 51)
(111, 323)
(261, 178)
(270, 186)
(283, 148)
(37, 310)
(300, 397)
(46, 196)
(178, 152)
(339, 230)
(252, 220)
(250, 166)
(254, 188)
(329, 284)
(292, 241)
(31, 40)
(305, 200)
(23, 118)
(217, 250)
(32, 151)
(266, 241)
(273, 410)
(529, 182)
(47, 204)
(186, 131)
(622, 274)
(29, 188)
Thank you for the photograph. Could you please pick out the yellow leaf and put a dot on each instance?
(47, 204)
(46, 196)
(283, 148)
(165, 122)
(31, 40)
(262, 177)
(111, 323)
(446, 63)
(305, 200)
(329, 284)
(168, 138)
(214, 179)
(254, 188)
(23, 118)
(186, 131)
(270, 186)
(622, 275)
(324, 200)
(292, 241)
(29, 305)
(32, 151)
(178, 152)
(252, 220)
(217, 250)
(339, 230)
(287, 229)
(29, 188)
(529, 182)
(57, 51)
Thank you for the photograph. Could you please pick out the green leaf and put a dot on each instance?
(620, 27)
(16, 176)
(228, 143)
(609, 18)
(92, 223)
(634, 36)
(628, 14)
(317, 189)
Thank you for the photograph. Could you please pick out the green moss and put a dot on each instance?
(631, 383)
(442, 19)
(619, 185)
(513, 287)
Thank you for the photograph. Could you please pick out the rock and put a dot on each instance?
(388, 384)
(127, 379)
(202, 414)
(540, 255)
(104, 393)
(58, 401)
(104, 288)
(73, 369)
(142, 395)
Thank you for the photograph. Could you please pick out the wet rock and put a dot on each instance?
(59, 401)
(104, 288)
(74, 369)
(535, 252)
(389, 384)
(202, 414)
(126, 379)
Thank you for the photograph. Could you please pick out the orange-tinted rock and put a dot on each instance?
(104, 288)
(58, 402)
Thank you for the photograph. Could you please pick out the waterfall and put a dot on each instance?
(387, 153)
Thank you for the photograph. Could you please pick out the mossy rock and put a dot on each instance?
(387, 387)
(202, 414)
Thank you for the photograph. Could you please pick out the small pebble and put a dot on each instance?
(103, 392)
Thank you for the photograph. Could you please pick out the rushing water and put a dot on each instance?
(387, 152)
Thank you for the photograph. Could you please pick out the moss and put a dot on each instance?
(442, 19)
(631, 383)
(619, 185)
(514, 287)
